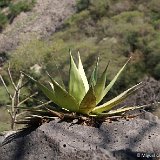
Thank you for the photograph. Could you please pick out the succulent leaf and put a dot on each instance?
(59, 96)
(93, 79)
(82, 73)
(63, 99)
(115, 101)
(76, 86)
(60, 76)
(61, 81)
(121, 110)
(107, 89)
(88, 102)
(51, 85)
(100, 86)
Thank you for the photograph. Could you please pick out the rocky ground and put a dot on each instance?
(134, 139)
(41, 22)
(149, 95)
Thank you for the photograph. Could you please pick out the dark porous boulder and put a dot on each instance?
(148, 94)
(137, 138)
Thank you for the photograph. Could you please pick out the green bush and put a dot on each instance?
(99, 8)
(82, 4)
(21, 6)
(29, 54)
(153, 50)
(104, 27)
(4, 3)
(154, 5)
(129, 17)
(4, 100)
(156, 71)
(3, 21)
(15, 8)
(153, 59)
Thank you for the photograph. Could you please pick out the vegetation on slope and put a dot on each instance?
(112, 30)
(10, 9)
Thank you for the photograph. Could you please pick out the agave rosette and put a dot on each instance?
(83, 97)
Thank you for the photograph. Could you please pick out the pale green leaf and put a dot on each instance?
(63, 98)
(88, 102)
(45, 90)
(94, 74)
(122, 110)
(82, 73)
(51, 85)
(60, 79)
(107, 89)
(59, 96)
(115, 101)
(100, 86)
(76, 86)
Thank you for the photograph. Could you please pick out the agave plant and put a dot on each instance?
(83, 97)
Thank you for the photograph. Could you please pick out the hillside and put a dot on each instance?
(39, 40)
(40, 22)
(113, 29)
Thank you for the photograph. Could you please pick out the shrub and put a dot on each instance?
(154, 5)
(153, 59)
(82, 4)
(4, 97)
(3, 21)
(14, 10)
(4, 3)
(98, 8)
(97, 30)
(21, 6)
(29, 54)
(156, 71)
(129, 17)
(152, 56)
